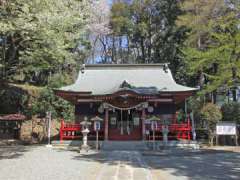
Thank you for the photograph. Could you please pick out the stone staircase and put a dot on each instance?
(124, 146)
(105, 145)
(129, 145)
(74, 144)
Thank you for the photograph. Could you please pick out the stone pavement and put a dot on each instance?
(224, 148)
(124, 165)
(41, 163)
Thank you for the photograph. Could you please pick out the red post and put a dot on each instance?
(189, 127)
(61, 130)
(106, 124)
(178, 135)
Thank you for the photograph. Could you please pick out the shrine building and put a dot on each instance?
(125, 96)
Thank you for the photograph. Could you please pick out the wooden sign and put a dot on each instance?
(226, 128)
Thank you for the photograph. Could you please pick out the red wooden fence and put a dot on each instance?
(177, 131)
(69, 130)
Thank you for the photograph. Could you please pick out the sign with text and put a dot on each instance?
(226, 128)
(113, 120)
(97, 126)
(154, 125)
(136, 121)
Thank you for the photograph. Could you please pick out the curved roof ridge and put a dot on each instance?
(123, 66)
(106, 79)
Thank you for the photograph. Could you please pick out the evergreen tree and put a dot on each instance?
(39, 38)
(149, 30)
(212, 49)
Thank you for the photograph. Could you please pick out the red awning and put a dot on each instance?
(12, 117)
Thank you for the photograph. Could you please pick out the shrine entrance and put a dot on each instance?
(125, 125)
(125, 96)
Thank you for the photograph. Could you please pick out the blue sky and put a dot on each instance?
(110, 1)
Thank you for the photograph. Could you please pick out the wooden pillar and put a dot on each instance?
(106, 124)
(193, 126)
(217, 140)
(143, 123)
(236, 139)
(186, 108)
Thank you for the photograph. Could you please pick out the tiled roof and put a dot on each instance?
(13, 117)
(141, 78)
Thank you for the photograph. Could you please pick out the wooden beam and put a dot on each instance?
(160, 100)
(89, 100)
(106, 119)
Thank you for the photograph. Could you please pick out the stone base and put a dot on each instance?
(84, 148)
(129, 145)
(174, 144)
(49, 146)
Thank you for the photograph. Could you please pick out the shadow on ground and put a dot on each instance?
(112, 158)
(210, 164)
(13, 152)
(207, 164)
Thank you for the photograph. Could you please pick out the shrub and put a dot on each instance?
(211, 113)
(48, 101)
(12, 99)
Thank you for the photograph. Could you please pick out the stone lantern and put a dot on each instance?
(165, 132)
(154, 120)
(85, 124)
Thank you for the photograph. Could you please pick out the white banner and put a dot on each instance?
(226, 128)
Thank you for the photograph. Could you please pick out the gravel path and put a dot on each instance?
(198, 166)
(124, 165)
(41, 163)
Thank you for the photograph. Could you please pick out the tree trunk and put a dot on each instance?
(93, 49)
(128, 48)
(211, 137)
(104, 49)
(143, 50)
(120, 49)
(113, 49)
(199, 42)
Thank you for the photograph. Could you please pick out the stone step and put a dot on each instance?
(173, 144)
(130, 145)
(124, 145)
(74, 143)
(67, 143)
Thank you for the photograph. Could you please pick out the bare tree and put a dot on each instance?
(99, 30)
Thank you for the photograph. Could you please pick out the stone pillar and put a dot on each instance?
(106, 124)
(143, 117)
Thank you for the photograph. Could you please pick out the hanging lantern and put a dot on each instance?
(150, 109)
(101, 109)
(91, 105)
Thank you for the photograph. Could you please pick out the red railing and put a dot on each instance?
(178, 131)
(73, 131)
(69, 130)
